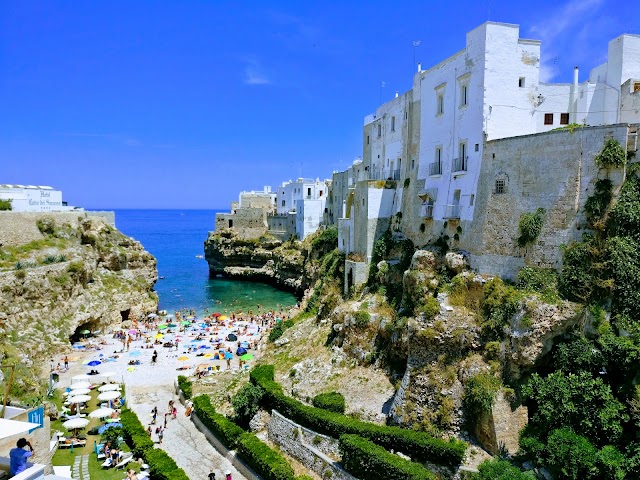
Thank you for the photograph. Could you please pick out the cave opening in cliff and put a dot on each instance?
(125, 314)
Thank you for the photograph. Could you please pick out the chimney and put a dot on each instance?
(396, 93)
(344, 209)
(419, 67)
(575, 78)
(574, 96)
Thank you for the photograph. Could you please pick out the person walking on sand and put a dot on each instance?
(154, 357)
(227, 475)
(66, 362)
(160, 435)
(212, 475)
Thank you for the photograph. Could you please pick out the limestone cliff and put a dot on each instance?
(81, 274)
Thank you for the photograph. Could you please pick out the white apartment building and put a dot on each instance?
(32, 198)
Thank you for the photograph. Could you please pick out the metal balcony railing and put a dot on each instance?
(435, 168)
(460, 164)
(452, 211)
(427, 211)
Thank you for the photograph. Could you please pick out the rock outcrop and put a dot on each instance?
(85, 275)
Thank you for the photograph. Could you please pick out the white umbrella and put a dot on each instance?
(79, 399)
(108, 387)
(75, 423)
(81, 385)
(79, 378)
(109, 395)
(101, 412)
(80, 391)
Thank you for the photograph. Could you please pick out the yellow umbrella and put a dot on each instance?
(183, 358)
(131, 369)
(208, 355)
(158, 335)
(223, 317)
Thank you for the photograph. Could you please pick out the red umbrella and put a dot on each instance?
(216, 315)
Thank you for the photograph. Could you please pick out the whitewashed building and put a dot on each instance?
(32, 198)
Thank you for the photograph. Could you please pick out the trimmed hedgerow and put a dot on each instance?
(331, 401)
(224, 429)
(161, 465)
(365, 459)
(419, 445)
(266, 462)
(185, 385)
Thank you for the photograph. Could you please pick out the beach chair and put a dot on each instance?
(126, 458)
(98, 449)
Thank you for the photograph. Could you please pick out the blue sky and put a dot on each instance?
(167, 104)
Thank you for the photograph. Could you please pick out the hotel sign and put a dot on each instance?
(36, 416)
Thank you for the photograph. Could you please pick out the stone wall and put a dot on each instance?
(18, 228)
(248, 222)
(555, 171)
(283, 227)
(355, 274)
(316, 452)
(498, 430)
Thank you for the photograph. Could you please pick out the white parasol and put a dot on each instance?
(109, 395)
(79, 399)
(101, 412)
(108, 387)
(80, 391)
(81, 385)
(75, 423)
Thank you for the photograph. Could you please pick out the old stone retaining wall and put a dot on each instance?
(316, 452)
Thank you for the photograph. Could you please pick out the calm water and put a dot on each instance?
(175, 238)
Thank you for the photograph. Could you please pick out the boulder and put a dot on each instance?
(455, 262)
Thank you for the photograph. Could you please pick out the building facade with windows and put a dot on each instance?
(32, 198)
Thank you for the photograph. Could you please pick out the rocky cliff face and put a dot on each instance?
(83, 275)
(264, 259)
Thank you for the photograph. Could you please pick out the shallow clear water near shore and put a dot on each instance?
(176, 238)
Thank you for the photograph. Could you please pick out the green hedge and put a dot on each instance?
(419, 445)
(161, 465)
(224, 429)
(365, 459)
(332, 401)
(266, 462)
(185, 385)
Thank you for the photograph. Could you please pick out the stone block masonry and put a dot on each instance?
(316, 452)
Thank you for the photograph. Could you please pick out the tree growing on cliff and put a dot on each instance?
(5, 204)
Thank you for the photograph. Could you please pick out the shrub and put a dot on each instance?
(185, 385)
(266, 462)
(326, 241)
(611, 463)
(540, 280)
(596, 205)
(419, 445)
(571, 456)
(497, 469)
(364, 459)
(499, 305)
(276, 332)
(224, 429)
(162, 466)
(46, 225)
(480, 393)
(5, 204)
(362, 319)
(246, 403)
(612, 155)
(530, 226)
(331, 401)
(430, 308)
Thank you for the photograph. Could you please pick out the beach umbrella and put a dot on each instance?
(171, 325)
(223, 318)
(94, 363)
(133, 332)
(135, 353)
(85, 332)
(183, 358)
(111, 420)
(75, 423)
(80, 385)
(152, 315)
(79, 398)
(189, 317)
(208, 355)
(232, 337)
(103, 428)
(108, 387)
(163, 326)
(101, 412)
(228, 355)
(131, 369)
(195, 340)
(80, 391)
(168, 315)
(241, 351)
(246, 357)
(158, 336)
(79, 345)
(112, 395)
(185, 323)
(79, 378)
(216, 314)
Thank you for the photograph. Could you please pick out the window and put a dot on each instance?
(320, 192)
(564, 119)
(283, 203)
(440, 104)
(477, 147)
(379, 130)
(406, 115)
(367, 139)
(439, 156)
(463, 95)
(393, 124)
(501, 186)
(548, 118)
(636, 87)
(308, 192)
(413, 164)
(471, 200)
(521, 82)
(230, 223)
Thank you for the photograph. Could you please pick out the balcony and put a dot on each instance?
(452, 212)
(427, 211)
(34, 471)
(435, 168)
(460, 164)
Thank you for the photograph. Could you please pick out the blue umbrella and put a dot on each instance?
(135, 353)
(195, 340)
(93, 363)
(244, 344)
(241, 351)
(102, 429)
(228, 355)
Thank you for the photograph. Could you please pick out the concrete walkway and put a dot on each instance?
(182, 440)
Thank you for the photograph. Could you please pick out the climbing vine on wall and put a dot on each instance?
(612, 155)
(530, 226)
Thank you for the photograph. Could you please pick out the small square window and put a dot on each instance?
(521, 82)
(477, 147)
(564, 119)
(501, 186)
(548, 118)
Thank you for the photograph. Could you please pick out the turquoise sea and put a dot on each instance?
(176, 238)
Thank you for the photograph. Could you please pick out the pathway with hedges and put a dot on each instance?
(182, 440)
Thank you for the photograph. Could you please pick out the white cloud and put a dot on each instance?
(254, 74)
